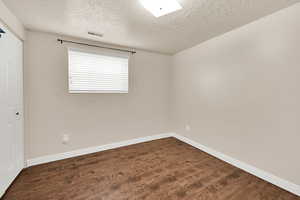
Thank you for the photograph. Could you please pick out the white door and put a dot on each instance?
(11, 108)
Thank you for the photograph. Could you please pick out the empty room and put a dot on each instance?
(149, 100)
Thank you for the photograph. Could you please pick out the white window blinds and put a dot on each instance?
(97, 73)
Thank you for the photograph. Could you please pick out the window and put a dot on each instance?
(97, 73)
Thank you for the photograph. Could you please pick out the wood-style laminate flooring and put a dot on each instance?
(158, 170)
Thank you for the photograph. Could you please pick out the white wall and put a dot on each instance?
(90, 119)
(240, 93)
(11, 21)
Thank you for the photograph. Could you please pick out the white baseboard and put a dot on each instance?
(291, 187)
(80, 152)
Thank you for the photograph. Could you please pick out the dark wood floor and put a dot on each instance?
(159, 170)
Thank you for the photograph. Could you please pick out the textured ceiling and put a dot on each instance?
(126, 22)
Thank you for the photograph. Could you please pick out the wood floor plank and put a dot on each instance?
(158, 170)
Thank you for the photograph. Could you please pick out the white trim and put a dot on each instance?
(11, 180)
(291, 187)
(61, 156)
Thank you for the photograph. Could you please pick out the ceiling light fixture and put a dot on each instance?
(161, 7)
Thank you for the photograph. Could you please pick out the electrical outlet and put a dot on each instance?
(187, 127)
(65, 139)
